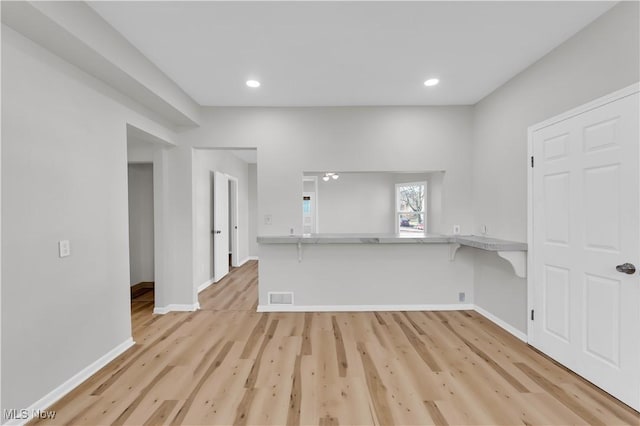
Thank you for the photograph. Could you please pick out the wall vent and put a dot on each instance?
(280, 298)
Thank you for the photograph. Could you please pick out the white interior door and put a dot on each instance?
(220, 229)
(585, 199)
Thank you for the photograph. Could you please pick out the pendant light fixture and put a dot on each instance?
(330, 175)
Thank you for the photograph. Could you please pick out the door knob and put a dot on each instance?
(627, 268)
(220, 232)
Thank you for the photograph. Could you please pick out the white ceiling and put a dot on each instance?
(345, 53)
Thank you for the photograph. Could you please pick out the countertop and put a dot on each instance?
(480, 242)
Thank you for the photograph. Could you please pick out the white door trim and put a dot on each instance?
(313, 179)
(596, 103)
(234, 215)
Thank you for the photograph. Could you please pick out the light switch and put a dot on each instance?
(64, 248)
(267, 219)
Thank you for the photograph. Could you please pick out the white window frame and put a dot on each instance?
(424, 205)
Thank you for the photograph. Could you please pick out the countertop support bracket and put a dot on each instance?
(453, 249)
(517, 259)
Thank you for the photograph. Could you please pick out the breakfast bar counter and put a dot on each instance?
(480, 242)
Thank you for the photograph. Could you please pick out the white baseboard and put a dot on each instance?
(205, 284)
(502, 324)
(362, 308)
(252, 258)
(176, 308)
(49, 399)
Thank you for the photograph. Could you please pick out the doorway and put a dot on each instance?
(309, 205)
(224, 224)
(584, 291)
(141, 237)
(234, 261)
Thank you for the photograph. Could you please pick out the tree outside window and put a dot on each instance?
(411, 208)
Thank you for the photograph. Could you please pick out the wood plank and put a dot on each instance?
(253, 374)
(377, 389)
(212, 367)
(561, 395)
(340, 352)
(418, 345)
(486, 358)
(306, 334)
(161, 415)
(127, 412)
(293, 417)
(435, 413)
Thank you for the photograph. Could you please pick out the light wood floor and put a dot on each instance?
(227, 364)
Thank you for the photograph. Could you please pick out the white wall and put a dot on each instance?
(141, 241)
(365, 202)
(357, 203)
(292, 140)
(205, 161)
(64, 153)
(394, 275)
(252, 177)
(598, 60)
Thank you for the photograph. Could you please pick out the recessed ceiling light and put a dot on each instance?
(431, 82)
(253, 83)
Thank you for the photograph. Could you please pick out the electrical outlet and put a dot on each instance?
(267, 219)
(290, 231)
(461, 296)
(456, 229)
(483, 229)
(64, 248)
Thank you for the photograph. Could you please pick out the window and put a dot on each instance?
(411, 208)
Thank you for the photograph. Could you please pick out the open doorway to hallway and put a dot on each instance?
(147, 156)
(225, 200)
(141, 236)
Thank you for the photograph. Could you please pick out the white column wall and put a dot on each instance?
(253, 210)
(64, 177)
